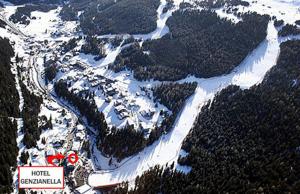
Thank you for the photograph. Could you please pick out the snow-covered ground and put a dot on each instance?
(250, 72)
(63, 124)
(167, 149)
(287, 10)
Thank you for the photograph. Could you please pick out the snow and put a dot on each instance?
(167, 149)
(228, 16)
(287, 10)
(184, 169)
(84, 188)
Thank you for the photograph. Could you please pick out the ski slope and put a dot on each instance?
(167, 149)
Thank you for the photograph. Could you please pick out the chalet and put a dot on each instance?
(147, 114)
(80, 128)
(123, 115)
(79, 136)
(120, 109)
(111, 91)
(76, 146)
(117, 102)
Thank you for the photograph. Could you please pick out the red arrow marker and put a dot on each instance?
(55, 157)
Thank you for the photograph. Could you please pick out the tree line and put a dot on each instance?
(288, 30)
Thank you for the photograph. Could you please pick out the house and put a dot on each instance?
(111, 91)
(147, 114)
(76, 146)
(119, 109)
(123, 115)
(79, 136)
(80, 128)
(108, 99)
(117, 102)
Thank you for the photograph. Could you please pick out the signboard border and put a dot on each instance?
(63, 186)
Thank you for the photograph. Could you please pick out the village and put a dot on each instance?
(122, 106)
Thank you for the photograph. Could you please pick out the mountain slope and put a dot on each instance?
(244, 141)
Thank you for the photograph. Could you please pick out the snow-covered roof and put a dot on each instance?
(76, 146)
(83, 188)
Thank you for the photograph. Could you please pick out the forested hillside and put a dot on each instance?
(245, 141)
(30, 114)
(123, 16)
(9, 101)
(199, 43)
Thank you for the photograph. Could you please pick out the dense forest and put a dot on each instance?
(9, 98)
(123, 16)
(199, 43)
(106, 16)
(23, 14)
(244, 141)
(174, 95)
(30, 116)
(9, 101)
(289, 29)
